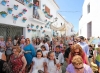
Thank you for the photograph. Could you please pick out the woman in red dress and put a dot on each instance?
(17, 61)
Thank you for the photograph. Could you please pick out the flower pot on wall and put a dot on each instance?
(3, 2)
(15, 18)
(29, 30)
(24, 11)
(26, 1)
(3, 15)
(10, 11)
(15, 7)
(24, 21)
(20, 14)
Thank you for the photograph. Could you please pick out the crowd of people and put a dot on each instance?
(23, 55)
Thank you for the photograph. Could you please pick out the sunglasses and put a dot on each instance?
(76, 53)
(70, 44)
(79, 68)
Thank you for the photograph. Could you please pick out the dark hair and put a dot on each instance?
(58, 46)
(81, 37)
(39, 51)
(37, 43)
(16, 37)
(43, 47)
(44, 41)
(49, 56)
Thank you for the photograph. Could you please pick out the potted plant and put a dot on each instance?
(29, 29)
(41, 27)
(15, 7)
(4, 2)
(20, 14)
(32, 25)
(24, 11)
(43, 31)
(24, 19)
(3, 14)
(26, 1)
(15, 17)
(37, 26)
(31, 5)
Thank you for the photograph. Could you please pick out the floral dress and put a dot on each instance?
(16, 64)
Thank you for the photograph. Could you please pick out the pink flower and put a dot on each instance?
(7, 5)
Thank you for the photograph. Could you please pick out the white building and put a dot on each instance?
(11, 27)
(64, 27)
(90, 21)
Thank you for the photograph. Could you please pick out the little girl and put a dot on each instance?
(45, 53)
(52, 64)
(38, 63)
(97, 59)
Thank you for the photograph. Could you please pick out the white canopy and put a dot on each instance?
(62, 28)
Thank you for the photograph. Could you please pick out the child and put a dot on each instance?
(52, 64)
(59, 55)
(98, 59)
(38, 63)
(45, 53)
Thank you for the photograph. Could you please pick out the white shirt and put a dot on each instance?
(60, 58)
(38, 64)
(45, 53)
(0, 55)
(47, 46)
(52, 68)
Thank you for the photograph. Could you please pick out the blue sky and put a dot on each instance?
(71, 10)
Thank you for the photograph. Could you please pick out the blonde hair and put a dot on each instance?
(77, 60)
(18, 49)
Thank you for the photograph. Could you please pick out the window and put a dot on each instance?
(61, 24)
(20, 1)
(89, 29)
(88, 8)
(47, 9)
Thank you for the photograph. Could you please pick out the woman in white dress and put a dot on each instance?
(38, 63)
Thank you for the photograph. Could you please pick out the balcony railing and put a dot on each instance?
(20, 1)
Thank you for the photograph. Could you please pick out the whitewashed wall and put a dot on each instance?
(93, 16)
(9, 19)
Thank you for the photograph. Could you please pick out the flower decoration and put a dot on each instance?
(43, 31)
(24, 19)
(15, 7)
(20, 14)
(9, 9)
(32, 25)
(24, 11)
(15, 17)
(31, 5)
(4, 2)
(3, 14)
(41, 28)
(37, 26)
(29, 29)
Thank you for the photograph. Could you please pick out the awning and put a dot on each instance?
(62, 28)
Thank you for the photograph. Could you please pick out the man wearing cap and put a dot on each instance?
(84, 45)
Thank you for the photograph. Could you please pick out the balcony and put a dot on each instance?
(38, 15)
